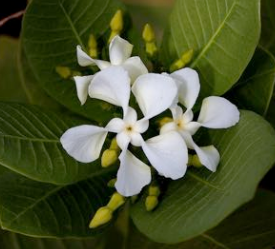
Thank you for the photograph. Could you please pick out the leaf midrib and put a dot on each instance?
(209, 43)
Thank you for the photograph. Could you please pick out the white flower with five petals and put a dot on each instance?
(216, 112)
(154, 93)
(120, 51)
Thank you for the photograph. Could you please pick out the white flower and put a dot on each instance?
(167, 152)
(216, 112)
(120, 51)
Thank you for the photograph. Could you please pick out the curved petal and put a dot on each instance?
(82, 84)
(85, 60)
(132, 174)
(84, 142)
(120, 50)
(171, 126)
(208, 155)
(168, 154)
(123, 140)
(218, 112)
(115, 125)
(154, 93)
(112, 85)
(131, 116)
(188, 83)
(135, 67)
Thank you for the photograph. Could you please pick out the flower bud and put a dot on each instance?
(102, 216)
(154, 191)
(116, 24)
(108, 158)
(64, 72)
(151, 202)
(111, 183)
(92, 44)
(148, 33)
(185, 59)
(196, 161)
(116, 201)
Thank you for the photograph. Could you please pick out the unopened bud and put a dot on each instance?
(164, 121)
(64, 72)
(154, 191)
(196, 161)
(185, 59)
(116, 201)
(151, 202)
(114, 145)
(116, 23)
(111, 183)
(148, 33)
(92, 44)
(108, 158)
(102, 216)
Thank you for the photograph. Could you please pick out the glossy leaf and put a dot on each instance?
(268, 25)
(223, 34)
(9, 240)
(201, 199)
(46, 210)
(255, 88)
(10, 85)
(51, 31)
(29, 145)
(251, 226)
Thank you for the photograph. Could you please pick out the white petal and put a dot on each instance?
(141, 126)
(177, 112)
(85, 60)
(217, 112)
(135, 67)
(82, 83)
(112, 85)
(188, 83)
(168, 154)
(131, 116)
(84, 142)
(154, 93)
(171, 126)
(132, 175)
(123, 140)
(115, 125)
(208, 155)
(120, 50)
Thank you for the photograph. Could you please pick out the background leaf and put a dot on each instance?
(46, 210)
(10, 85)
(255, 88)
(268, 25)
(251, 226)
(10, 240)
(30, 145)
(202, 199)
(51, 31)
(223, 34)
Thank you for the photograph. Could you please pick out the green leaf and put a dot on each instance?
(9, 240)
(29, 145)
(35, 94)
(10, 86)
(46, 210)
(51, 31)
(223, 34)
(201, 199)
(255, 88)
(251, 226)
(268, 25)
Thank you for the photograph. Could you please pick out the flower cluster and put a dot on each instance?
(154, 93)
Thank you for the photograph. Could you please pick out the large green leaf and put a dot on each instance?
(268, 25)
(201, 199)
(9, 240)
(223, 34)
(51, 31)
(46, 210)
(251, 226)
(10, 86)
(29, 139)
(255, 88)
